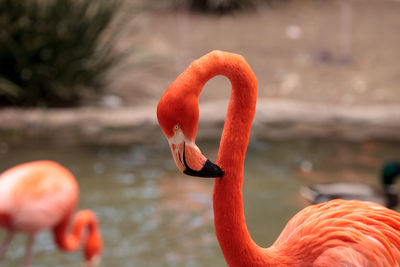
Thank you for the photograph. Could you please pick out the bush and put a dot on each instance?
(52, 51)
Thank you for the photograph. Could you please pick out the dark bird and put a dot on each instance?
(387, 195)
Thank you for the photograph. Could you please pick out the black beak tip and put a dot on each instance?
(209, 170)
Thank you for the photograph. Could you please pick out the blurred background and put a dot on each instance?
(80, 81)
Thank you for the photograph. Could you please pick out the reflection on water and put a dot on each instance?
(152, 215)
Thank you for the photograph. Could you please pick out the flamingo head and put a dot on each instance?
(93, 247)
(178, 117)
(93, 262)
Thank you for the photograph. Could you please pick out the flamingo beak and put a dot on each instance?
(93, 262)
(191, 161)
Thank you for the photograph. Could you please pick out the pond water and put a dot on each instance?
(152, 215)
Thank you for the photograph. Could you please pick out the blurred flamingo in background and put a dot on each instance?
(336, 233)
(43, 194)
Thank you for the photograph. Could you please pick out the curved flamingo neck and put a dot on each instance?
(230, 226)
(84, 220)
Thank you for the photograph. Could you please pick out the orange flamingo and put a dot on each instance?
(43, 194)
(336, 233)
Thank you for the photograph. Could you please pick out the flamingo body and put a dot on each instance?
(37, 196)
(349, 232)
(336, 233)
(42, 195)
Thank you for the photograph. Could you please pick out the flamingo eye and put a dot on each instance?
(176, 127)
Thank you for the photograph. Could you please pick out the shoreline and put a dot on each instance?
(274, 119)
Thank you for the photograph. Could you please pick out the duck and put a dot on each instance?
(386, 196)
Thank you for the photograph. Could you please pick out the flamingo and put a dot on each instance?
(336, 233)
(43, 194)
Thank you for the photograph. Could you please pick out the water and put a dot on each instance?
(152, 215)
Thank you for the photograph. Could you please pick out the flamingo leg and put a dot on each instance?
(28, 254)
(5, 243)
(345, 39)
(324, 55)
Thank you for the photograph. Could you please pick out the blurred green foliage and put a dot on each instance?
(53, 50)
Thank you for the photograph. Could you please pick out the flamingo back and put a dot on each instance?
(37, 195)
(342, 233)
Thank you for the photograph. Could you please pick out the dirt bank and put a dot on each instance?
(274, 120)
